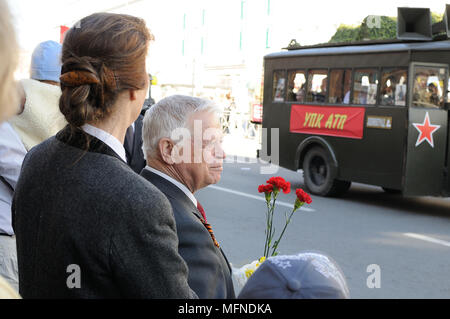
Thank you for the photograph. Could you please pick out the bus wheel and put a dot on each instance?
(317, 174)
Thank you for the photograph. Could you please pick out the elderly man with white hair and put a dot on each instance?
(182, 144)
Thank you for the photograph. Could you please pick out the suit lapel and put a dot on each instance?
(171, 190)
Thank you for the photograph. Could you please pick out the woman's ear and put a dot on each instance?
(132, 94)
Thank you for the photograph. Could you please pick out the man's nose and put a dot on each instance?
(220, 152)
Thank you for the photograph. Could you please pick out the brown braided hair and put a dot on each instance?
(102, 55)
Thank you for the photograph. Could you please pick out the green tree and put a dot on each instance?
(372, 28)
(435, 17)
(345, 33)
(379, 28)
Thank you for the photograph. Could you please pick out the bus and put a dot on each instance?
(372, 112)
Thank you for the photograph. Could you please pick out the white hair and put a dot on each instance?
(168, 115)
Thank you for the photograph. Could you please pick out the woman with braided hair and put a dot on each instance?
(87, 226)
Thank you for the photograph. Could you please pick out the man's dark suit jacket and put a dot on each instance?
(133, 150)
(209, 271)
(81, 212)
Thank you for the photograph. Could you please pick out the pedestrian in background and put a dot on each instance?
(8, 106)
(40, 117)
(133, 145)
(9, 53)
(87, 226)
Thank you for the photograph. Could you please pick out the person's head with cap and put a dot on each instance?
(46, 62)
(307, 275)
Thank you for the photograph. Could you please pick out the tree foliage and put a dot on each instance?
(372, 28)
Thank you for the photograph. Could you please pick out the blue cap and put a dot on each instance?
(307, 275)
(46, 61)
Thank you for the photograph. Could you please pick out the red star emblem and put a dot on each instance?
(426, 130)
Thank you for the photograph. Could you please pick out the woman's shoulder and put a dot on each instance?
(132, 189)
(137, 201)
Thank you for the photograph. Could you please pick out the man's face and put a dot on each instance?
(206, 161)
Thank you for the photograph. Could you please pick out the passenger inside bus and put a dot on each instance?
(393, 86)
(347, 97)
(340, 82)
(300, 95)
(421, 95)
(387, 92)
(320, 96)
(296, 86)
(428, 87)
(365, 86)
(278, 94)
(317, 86)
(434, 96)
(387, 96)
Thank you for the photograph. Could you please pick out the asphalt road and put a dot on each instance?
(408, 238)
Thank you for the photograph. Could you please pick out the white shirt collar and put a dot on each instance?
(175, 182)
(106, 138)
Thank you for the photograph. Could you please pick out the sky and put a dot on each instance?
(221, 30)
(309, 21)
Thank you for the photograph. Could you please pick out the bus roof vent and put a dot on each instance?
(414, 24)
(442, 29)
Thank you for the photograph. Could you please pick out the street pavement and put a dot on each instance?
(388, 246)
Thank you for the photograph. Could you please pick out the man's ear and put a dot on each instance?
(165, 147)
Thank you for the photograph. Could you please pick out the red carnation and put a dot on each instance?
(303, 196)
(273, 186)
(287, 188)
(280, 183)
(265, 188)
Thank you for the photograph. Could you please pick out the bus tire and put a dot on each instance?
(317, 174)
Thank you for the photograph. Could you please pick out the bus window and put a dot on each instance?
(317, 85)
(296, 86)
(428, 86)
(365, 86)
(340, 82)
(393, 87)
(278, 86)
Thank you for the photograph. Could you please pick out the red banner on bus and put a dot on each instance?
(328, 120)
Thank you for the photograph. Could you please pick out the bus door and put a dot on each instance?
(427, 130)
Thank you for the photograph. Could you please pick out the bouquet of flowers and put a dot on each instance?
(271, 190)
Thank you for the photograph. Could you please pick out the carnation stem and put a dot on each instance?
(267, 229)
(269, 225)
(275, 245)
